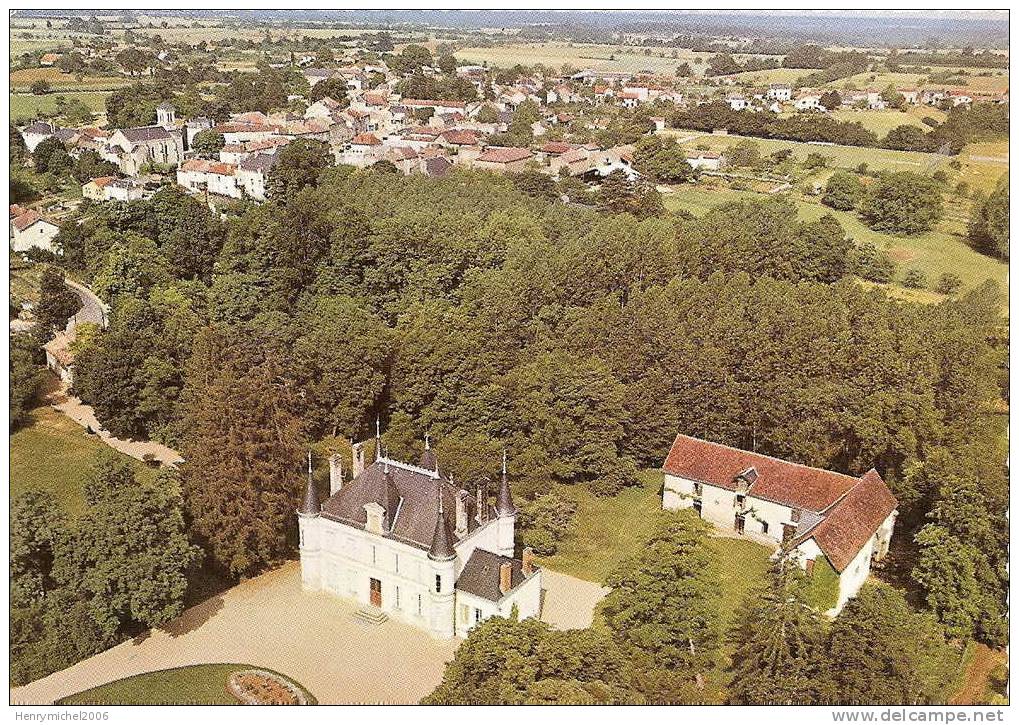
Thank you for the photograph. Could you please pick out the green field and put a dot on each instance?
(194, 685)
(845, 156)
(25, 106)
(881, 122)
(773, 75)
(52, 454)
(580, 56)
(22, 79)
(609, 530)
(941, 250)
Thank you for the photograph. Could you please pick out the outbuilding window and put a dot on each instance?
(438, 583)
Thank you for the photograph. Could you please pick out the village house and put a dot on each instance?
(704, 160)
(253, 172)
(215, 177)
(132, 148)
(95, 189)
(361, 151)
(35, 133)
(29, 230)
(503, 159)
(60, 357)
(401, 540)
(780, 92)
(124, 190)
(827, 522)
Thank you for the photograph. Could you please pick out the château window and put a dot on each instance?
(438, 583)
(698, 488)
(477, 615)
(397, 597)
(764, 527)
(302, 537)
(419, 605)
(373, 555)
(740, 499)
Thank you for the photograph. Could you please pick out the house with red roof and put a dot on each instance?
(30, 230)
(504, 158)
(832, 524)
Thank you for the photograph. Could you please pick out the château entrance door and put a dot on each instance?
(376, 592)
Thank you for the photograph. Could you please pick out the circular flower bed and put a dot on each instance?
(259, 687)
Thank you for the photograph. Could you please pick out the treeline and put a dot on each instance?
(963, 59)
(963, 125)
(664, 635)
(490, 314)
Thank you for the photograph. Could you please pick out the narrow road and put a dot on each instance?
(92, 310)
(83, 415)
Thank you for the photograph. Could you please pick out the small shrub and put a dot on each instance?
(948, 283)
(914, 279)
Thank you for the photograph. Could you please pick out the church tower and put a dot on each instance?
(507, 514)
(442, 557)
(308, 530)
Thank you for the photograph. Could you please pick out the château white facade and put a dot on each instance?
(819, 518)
(400, 539)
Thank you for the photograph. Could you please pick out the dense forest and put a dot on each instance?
(489, 313)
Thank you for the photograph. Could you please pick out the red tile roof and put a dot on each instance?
(102, 181)
(505, 155)
(557, 147)
(851, 509)
(432, 104)
(24, 221)
(17, 210)
(366, 139)
(780, 481)
(459, 138)
(853, 520)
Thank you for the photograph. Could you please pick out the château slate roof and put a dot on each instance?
(480, 575)
(415, 493)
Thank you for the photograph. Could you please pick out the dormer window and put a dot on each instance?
(698, 488)
(794, 516)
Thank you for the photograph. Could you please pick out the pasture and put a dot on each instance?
(25, 106)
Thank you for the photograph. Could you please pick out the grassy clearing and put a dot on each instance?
(600, 57)
(25, 107)
(944, 249)
(983, 164)
(881, 122)
(22, 79)
(607, 531)
(194, 685)
(25, 278)
(844, 156)
(52, 453)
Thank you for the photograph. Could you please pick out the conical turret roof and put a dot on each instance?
(504, 501)
(309, 504)
(442, 540)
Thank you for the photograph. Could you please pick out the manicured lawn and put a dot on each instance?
(194, 685)
(52, 453)
(607, 531)
(25, 106)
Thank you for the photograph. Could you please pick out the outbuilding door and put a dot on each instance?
(376, 592)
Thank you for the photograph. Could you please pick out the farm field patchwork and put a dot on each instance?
(25, 106)
(22, 79)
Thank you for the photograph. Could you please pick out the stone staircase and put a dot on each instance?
(371, 616)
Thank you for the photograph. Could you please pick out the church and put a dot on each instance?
(402, 540)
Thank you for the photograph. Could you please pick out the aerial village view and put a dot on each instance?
(508, 357)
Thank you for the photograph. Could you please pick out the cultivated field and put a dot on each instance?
(25, 106)
(22, 79)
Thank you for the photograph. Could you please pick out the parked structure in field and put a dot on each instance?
(402, 539)
(830, 523)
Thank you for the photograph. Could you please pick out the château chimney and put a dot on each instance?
(528, 561)
(461, 514)
(335, 473)
(357, 449)
(505, 577)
